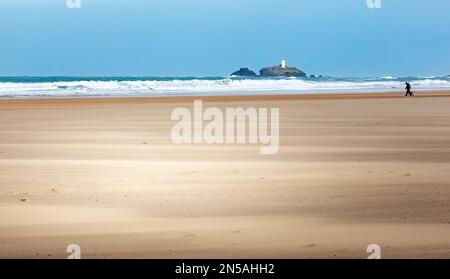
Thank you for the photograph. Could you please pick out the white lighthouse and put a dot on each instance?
(283, 63)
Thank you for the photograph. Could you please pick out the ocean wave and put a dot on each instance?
(72, 86)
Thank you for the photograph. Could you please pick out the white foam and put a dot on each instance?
(205, 87)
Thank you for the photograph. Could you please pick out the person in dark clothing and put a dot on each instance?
(408, 89)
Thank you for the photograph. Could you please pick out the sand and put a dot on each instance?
(352, 170)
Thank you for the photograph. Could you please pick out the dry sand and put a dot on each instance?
(103, 173)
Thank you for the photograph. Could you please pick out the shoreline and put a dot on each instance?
(216, 98)
(159, 87)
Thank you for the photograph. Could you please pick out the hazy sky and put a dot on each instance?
(215, 37)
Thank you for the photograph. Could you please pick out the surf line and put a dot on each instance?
(230, 129)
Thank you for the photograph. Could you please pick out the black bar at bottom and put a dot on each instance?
(225, 268)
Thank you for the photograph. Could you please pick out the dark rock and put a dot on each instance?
(278, 71)
(244, 72)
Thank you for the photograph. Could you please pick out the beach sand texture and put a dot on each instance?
(102, 173)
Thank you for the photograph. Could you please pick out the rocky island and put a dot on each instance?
(278, 71)
(244, 72)
(281, 70)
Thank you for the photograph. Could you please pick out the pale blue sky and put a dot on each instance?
(215, 37)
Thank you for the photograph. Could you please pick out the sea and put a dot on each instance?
(46, 87)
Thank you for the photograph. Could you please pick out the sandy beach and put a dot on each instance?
(103, 173)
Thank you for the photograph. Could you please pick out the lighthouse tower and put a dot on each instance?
(283, 63)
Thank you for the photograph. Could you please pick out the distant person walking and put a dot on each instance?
(408, 89)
